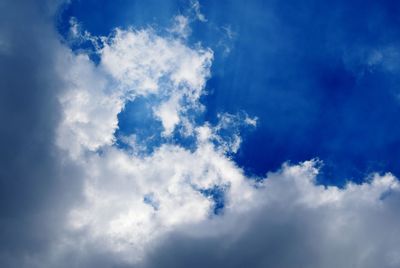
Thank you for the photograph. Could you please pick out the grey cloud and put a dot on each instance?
(30, 180)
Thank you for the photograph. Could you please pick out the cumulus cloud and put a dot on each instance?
(133, 199)
(134, 63)
(158, 209)
(295, 223)
(132, 202)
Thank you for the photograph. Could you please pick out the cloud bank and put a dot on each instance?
(73, 198)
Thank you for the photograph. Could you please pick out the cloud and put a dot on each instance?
(147, 195)
(116, 211)
(180, 26)
(181, 23)
(144, 63)
(195, 8)
(133, 64)
(72, 198)
(34, 189)
(89, 111)
(295, 223)
(139, 59)
(144, 210)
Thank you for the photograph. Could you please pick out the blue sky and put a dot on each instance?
(321, 77)
(194, 133)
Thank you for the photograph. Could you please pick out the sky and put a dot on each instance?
(185, 133)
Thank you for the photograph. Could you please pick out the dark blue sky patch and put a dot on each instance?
(217, 194)
(101, 17)
(293, 68)
(137, 119)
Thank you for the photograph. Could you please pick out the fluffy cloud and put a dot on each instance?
(295, 223)
(89, 110)
(151, 213)
(146, 209)
(104, 206)
(131, 200)
(133, 64)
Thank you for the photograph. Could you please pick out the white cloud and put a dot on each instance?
(133, 63)
(132, 203)
(89, 107)
(181, 26)
(115, 210)
(149, 210)
(230, 125)
(292, 222)
(168, 113)
(116, 215)
(117, 183)
(144, 63)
